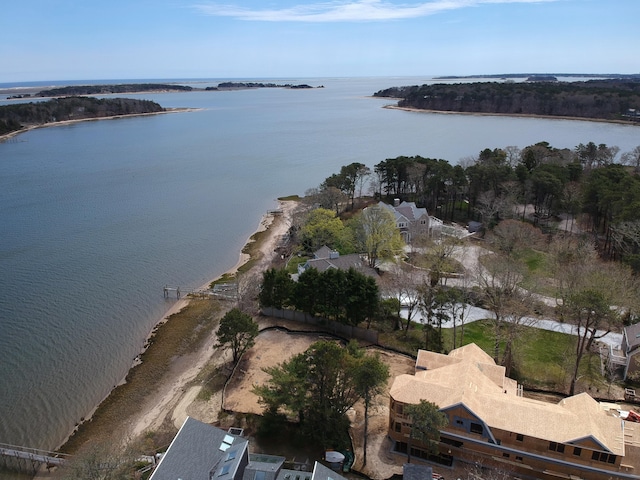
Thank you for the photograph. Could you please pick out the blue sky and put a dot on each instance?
(127, 39)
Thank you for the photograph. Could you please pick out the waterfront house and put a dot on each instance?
(412, 220)
(325, 258)
(200, 451)
(493, 424)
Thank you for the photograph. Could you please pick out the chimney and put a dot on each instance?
(396, 202)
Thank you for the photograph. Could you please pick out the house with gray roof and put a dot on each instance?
(412, 220)
(200, 451)
(325, 258)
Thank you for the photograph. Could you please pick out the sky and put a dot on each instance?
(165, 39)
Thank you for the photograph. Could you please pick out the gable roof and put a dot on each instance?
(343, 262)
(471, 379)
(199, 450)
(325, 258)
(410, 211)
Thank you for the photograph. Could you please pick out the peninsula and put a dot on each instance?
(610, 100)
(21, 116)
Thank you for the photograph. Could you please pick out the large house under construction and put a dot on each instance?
(493, 425)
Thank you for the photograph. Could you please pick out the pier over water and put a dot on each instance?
(24, 459)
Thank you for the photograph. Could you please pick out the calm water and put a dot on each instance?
(96, 217)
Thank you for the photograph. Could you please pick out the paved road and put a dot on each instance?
(473, 314)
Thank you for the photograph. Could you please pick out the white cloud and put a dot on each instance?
(347, 11)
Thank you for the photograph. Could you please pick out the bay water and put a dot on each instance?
(96, 217)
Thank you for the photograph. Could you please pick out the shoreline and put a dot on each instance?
(169, 392)
(515, 115)
(30, 128)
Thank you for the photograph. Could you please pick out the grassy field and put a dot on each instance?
(543, 359)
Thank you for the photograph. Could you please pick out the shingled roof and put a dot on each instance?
(200, 451)
(469, 378)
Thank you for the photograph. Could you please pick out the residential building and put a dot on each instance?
(492, 424)
(203, 452)
(411, 220)
(325, 258)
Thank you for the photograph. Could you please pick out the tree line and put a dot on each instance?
(348, 297)
(15, 117)
(112, 88)
(612, 99)
(595, 186)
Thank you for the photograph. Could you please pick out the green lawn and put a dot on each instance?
(543, 359)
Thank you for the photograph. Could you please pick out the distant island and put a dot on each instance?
(121, 88)
(111, 89)
(241, 85)
(611, 100)
(73, 103)
(19, 116)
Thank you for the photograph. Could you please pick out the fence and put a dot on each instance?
(329, 326)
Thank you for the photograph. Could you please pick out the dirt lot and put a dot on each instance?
(275, 346)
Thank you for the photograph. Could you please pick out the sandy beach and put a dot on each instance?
(173, 399)
(516, 115)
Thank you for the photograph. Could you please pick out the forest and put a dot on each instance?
(240, 85)
(596, 186)
(17, 116)
(613, 99)
(109, 89)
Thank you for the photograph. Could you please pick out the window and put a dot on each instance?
(451, 441)
(520, 437)
(476, 428)
(399, 409)
(556, 447)
(505, 454)
(577, 451)
(231, 455)
(518, 458)
(224, 470)
(398, 427)
(603, 457)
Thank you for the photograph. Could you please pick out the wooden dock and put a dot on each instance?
(168, 289)
(30, 459)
